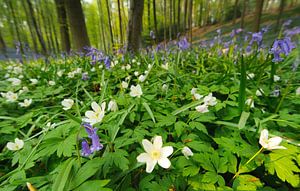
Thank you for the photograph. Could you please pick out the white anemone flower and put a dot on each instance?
(210, 100)
(124, 85)
(14, 81)
(14, 146)
(142, 78)
(187, 152)
(96, 115)
(51, 83)
(33, 81)
(250, 102)
(270, 144)
(10, 96)
(202, 108)
(276, 78)
(26, 103)
(155, 153)
(259, 92)
(67, 103)
(112, 106)
(136, 91)
(250, 76)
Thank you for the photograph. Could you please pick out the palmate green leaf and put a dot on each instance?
(63, 175)
(284, 166)
(94, 185)
(180, 126)
(165, 120)
(247, 183)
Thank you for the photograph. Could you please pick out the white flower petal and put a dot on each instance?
(143, 157)
(157, 142)
(95, 107)
(150, 166)
(274, 141)
(90, 114)
(148, 147)
(19, 143)
(164, 162)
(166, 151)
(263, 139)
(11, 146)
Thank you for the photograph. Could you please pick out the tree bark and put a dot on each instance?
(165, 22)
(101, 24)
(185, 14)
(120, 21)
(243, 13)
(258, 13)
(135, 25)
(154, 18)
(63, 25)
(12, 10)
(37, 30)
(170, 21)
(2, 45)
(281, 8)
(77, 24)
(109, 24)
(190, 21)
(178, 16)
(149, 15)
(236, 3)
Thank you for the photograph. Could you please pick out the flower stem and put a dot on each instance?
(239, 171)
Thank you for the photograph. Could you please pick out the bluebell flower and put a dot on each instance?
(107, 62)
(281, 46)
(86, 151)
(85, 76)
(183, 44)
(96, 145)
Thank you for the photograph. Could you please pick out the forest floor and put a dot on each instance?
(268, 19)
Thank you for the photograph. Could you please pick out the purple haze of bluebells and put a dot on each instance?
(281, 46)
(183, 44)
(107, 62)
(92, 134)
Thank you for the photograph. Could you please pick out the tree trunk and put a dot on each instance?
(135, 23)
(120, 21)
(185, 14)
(236, 3)
(154, 18)
(63, 25)
(37, 30)
(165, 22)
(200, 13)
(190, 21)
(178, 16)
(281, 8)
(2, 45)
(258, 13)
(149, 15)
(101, 24)
(12, 10)
(33, 36)
(109, 24)
(243, 13)
(170, 21)
(77, 24)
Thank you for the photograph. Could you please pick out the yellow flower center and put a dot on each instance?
(155, 154)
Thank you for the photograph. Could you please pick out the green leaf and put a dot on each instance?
(148, 109)
(93, 185)
(246, 182)
(198, 126)
(284, 166)
(63, 175)
(186, 107)
(180, 126)
(85, 172)
(243, 119)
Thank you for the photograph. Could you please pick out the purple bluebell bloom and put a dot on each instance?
(92, 134)
(86, 151)
(183, 44)
(107, 62)
(281, 46)
(85, 76)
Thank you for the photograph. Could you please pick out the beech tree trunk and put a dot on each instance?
(185, 14)
(190, 20)
(154, 18)
(135, 25)
(77, 24)
(243, 13)
(236, 3)
(281, 8)
(2, 45)
(258, 13)
(120, 21)
(37, 29)
(109, 24)
(101, 24)
(178, 16)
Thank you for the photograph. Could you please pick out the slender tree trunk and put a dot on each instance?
(165, 22)
(185, 14)
(236, 3)
(281, 8)
(101, 24)
(33, 36)
(174, 18)
(170, 21)
(190, 20)
(37, 30)
(135, 24)
(2, 45)
(109, 24)
(243, 13)
(154, 18)
(178, 16)
(12, 10)
(200, 13)
(258, 13)
(63, 25)
(77, 24)
(149, 14)
(120, 21)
